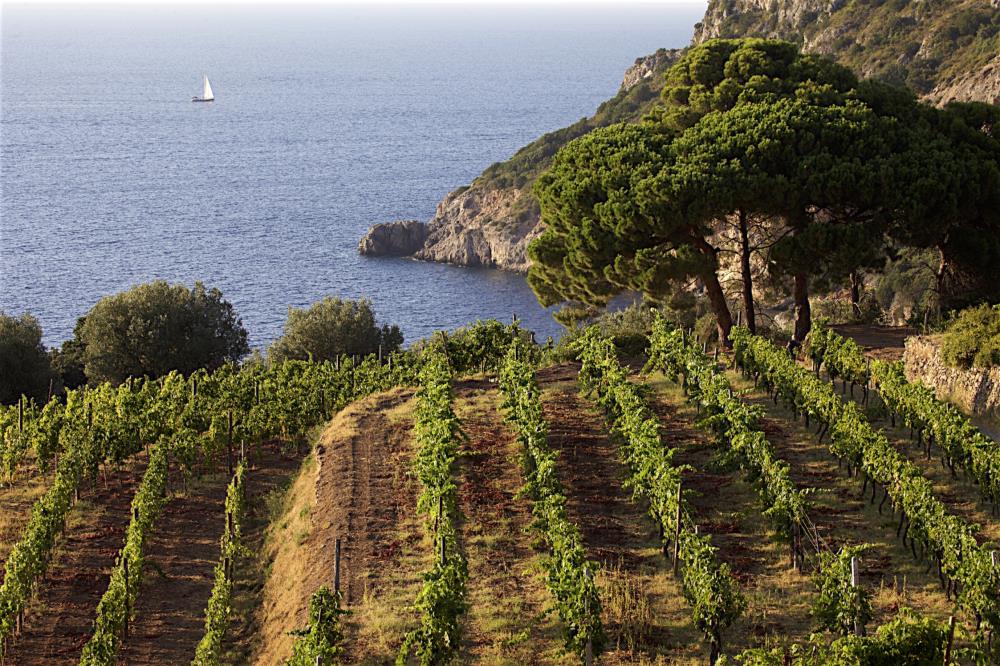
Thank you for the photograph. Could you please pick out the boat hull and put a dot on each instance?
(199, 99)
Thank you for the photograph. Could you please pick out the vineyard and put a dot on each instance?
(473, 501)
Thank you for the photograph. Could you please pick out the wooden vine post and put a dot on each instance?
(125, 567)
(951, 639)
(336, 567)
(855, 581)
(677, 529)
(588, 648)
(229, 443)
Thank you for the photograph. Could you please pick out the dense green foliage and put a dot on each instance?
(441, 602)
(155, 328)
(709, 587)
(972, 339)
(570, 575)
(753, 127)
(334, 327)
(209, 650)
(24, 363)
(840, 606)
(948, 538)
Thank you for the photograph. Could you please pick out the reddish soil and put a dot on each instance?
(612, 525)
(723, 505)
(494, 528)
(363, 491)
(181, 553)
(60, 620)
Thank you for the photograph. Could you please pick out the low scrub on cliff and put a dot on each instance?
(973, 338)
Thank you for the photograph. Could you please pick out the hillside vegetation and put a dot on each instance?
(930, 46)
(478, 501)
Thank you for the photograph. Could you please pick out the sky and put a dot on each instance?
(369, 2)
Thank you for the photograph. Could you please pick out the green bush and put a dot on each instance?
(154, 328)
(973, 338)
(331, 328)
(24, 363)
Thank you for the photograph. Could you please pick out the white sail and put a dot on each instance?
(206, 92)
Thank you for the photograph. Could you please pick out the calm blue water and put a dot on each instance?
(327, 120)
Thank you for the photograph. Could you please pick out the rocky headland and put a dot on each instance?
(945, 51)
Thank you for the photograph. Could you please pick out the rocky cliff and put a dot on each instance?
(944, 49)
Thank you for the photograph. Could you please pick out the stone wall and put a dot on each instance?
(974, 391)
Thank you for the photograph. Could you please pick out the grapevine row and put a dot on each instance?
(709, 587)
(320, 642)
(441, 602)
(209, 650)
(198, 416)
(116, 605)
(960, 441)
(570, 576)
(733, 420)
(965, 566)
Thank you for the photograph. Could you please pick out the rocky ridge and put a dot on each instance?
(946, 51)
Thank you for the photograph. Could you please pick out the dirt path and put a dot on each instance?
(59, 621)
(843, 516)
(506, 622)
(884, 342)
(181, 554)
(643, 608)
(366, 495)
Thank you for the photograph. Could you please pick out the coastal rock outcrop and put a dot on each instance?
(646, 66)
(941, 50)
(394, 239)
(480, 226)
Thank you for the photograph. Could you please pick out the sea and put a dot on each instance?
(328, 118)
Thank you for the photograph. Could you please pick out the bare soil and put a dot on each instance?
(60, 620)
(364, 495)
(507, 621)
(616, 531)
(884, 342)
(844, 516)
(168, 620)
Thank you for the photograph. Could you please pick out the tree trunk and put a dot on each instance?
(748, 307)
(723, 318)
(856, 286)
(716, 297)
(940, 282)
(803, 315)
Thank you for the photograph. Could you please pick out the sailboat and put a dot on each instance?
(206, 92)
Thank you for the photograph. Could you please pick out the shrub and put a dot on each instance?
(330, 328)
(973, 338)
(24, 364)
(154, 328)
